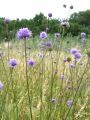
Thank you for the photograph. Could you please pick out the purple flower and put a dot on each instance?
(74, 51)
(1, 85)
(50, 15)
(31, 62)
(40, 55)
(7, 20)
(77, 55)
(70, 103)
(43, 35)
(83, 35)
(13, 63)
(49, 45)
(24, 33)
(65, 60)
(72, 65)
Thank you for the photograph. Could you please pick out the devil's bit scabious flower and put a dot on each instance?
(31, 62)
(49, 45)
(83, 35)
(24, 33)
(72, 65)
(70, 103)
(43, 35)
(57, 35)
(77, 55)
(1, 85)
(40, 55)
(50, 15)
(13, 63)
(71, 7)
(74, 51)
(7, 20)
(65, 59)
(64, 6)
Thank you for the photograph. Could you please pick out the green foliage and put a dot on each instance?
(79, 22)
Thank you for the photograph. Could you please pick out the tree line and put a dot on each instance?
(78, 22)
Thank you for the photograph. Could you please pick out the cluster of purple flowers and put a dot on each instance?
(13, 63)
(71, 6)
(40, 55)
(24, 33)
(50, 15)
(83, 35)
(49, 45)
(31, 62)
(43, 35)
(76, 53)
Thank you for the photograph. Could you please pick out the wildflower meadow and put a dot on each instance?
(46, 77)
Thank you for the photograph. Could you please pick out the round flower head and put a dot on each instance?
(64, 6)
(70, 103)
(1, 85)
(31, 62)
(43, 35)
(74, 51)
(24, 33)
(57, 35)
(49, 14)
(71, 7)
(40, 55)
(53, 100)
(7, 20)
(65, 59)
(72, 65)
(83, 35)
(13, 63)
(77, 55)
(49, 45)
(65, 23)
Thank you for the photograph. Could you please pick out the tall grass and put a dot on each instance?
(40, 92)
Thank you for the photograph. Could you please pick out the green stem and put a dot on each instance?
(14, 95)
(26, 72)
(75, 96)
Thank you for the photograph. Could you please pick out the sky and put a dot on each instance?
(27, 9)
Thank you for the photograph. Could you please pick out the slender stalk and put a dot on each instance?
(14, 95)
(26, 72)
(75, 96)
(7, 32)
